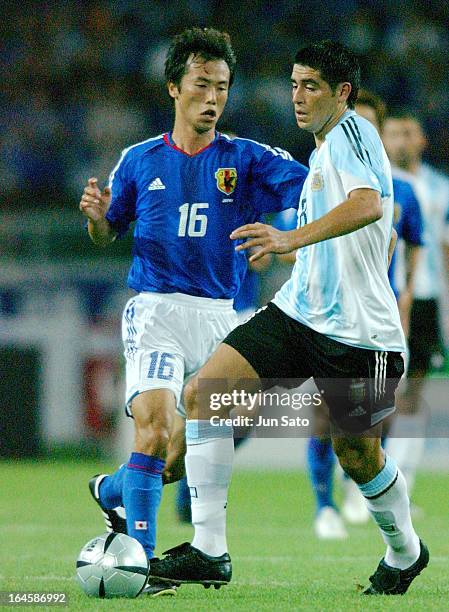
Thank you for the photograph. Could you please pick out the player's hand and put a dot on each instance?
(95, 203)
(260, 265)
(265, 238)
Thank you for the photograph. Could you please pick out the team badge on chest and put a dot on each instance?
(317, 181)
(226, 180)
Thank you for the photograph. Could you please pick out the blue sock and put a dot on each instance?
(142, 491)
(183, 502)
(321, 460)
(111, 489)
(183, 493)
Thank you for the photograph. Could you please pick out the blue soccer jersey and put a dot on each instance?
(185, 207)
(286, 220)
(408, 224)
(246, 298)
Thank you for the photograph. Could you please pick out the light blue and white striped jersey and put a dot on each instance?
(340, 287)
(432, 190)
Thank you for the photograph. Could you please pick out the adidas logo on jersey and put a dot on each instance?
(156, 184)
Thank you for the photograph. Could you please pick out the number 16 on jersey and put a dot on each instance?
(191, 222)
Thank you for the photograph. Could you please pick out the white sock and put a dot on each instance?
(209, 459)
(388, 503)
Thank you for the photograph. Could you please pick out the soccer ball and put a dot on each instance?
(112, 565)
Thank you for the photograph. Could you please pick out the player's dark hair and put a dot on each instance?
(206, 43)
(336, 64)
(368, 98)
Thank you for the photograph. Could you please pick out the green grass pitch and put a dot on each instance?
(47, 515)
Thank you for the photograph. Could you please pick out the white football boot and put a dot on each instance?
(354, 509)
(329, 525)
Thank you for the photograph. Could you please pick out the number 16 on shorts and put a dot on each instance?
(162, 365)
(162, 371)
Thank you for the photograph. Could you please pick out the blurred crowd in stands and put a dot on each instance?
(80, 80)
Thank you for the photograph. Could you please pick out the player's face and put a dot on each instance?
(368, 113)
(404, 141)
(202, 94)
(316, 105)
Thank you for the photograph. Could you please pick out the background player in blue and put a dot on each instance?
(336, 319)
(186, 191)
(405, 142)
(408, 220)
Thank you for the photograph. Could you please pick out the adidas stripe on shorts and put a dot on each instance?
(357, 384)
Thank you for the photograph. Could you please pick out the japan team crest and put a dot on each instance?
(226, 180)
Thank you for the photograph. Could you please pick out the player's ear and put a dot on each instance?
(344, 91)
(173, 90)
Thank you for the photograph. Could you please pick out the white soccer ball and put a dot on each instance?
(112, 565)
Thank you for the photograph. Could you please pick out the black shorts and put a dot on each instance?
(424, 335)
(357, 384)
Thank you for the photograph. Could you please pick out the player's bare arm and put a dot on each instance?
(406, 297)
(362, 207)
(289, 258)
(94, 205)
(392, 245)
(263, 239)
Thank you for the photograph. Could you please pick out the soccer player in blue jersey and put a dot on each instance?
(336, 320)
(186, 191)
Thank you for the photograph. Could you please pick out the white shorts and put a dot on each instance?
(168, 337)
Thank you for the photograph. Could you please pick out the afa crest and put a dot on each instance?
(317, 181)
(226, 180)
(357, 391)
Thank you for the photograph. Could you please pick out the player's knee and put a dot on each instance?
(362, 461)
(350, 457)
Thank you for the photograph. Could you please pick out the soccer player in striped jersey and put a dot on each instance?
(186, 190)
(336, 320)
(405, 143)
(408, 223)
(328, 523)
